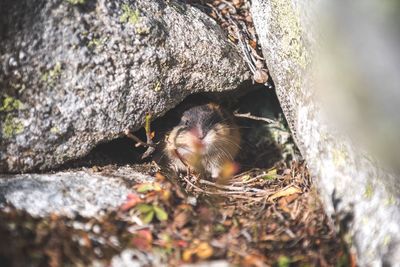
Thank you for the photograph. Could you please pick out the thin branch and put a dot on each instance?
(252, 117)
(229, 194)
(137, 139)
(232, 188)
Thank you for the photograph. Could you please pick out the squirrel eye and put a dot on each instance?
(184, 121)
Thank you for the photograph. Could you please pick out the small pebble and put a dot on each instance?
(260, 76)
(12, 62)
(22, 56)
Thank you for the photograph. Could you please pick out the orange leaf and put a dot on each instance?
(165, 195)
(159, 177)
(229, 169)
(142, 240)
(204, 251)
(187, 255)
(254, 260)
(253, 44)
(132, 200)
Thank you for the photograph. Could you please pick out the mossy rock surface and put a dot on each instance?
(87, 70)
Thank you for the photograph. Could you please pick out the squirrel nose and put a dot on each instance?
(198, 132)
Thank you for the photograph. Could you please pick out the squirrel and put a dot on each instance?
(204, 141)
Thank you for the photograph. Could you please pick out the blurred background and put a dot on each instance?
(357, 71)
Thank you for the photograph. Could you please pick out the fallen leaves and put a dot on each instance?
(228, 169)
(146, 187)
(201, 250)
(286, 219)
(182, 216)
(132, 201)
(254, 260)
(142, 240)
(285, 192)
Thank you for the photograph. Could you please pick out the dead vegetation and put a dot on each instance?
(259, 218)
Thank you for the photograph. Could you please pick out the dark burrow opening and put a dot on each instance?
(263, 143)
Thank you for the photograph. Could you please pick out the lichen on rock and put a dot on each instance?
(92, 69)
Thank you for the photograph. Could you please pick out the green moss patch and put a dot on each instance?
(129, 15)
(12, 126)
(10, 104)
(51, 76)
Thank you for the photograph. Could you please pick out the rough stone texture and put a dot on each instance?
(74, 75)
(354, 187)
(68, 193)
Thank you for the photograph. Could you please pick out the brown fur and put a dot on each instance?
(205, 140)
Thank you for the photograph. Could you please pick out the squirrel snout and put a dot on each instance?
(198, 132)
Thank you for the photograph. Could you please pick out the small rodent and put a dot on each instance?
(205, 139)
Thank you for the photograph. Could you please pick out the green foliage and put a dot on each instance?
(148, 211)
(283, 261)
(148, 217)
(271, 174)
(148, 187)
(160, 213)
(129, 15)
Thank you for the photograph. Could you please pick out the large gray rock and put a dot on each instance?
(69, 193)
(76, 73)
(354, 187)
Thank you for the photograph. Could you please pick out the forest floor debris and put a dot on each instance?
(259, 218)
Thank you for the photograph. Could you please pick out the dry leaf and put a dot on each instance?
(254, 260)
(253, 44)
(285, 192)
(229, 169)
(204, 251)
(181, 219)
(187, 255)
(283, 202)
(165, 195)
(143, 240)
(131, 202)
(159, 177)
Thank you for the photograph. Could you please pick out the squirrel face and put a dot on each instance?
(205, 139)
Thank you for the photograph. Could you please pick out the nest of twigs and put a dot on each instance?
(255, 187)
